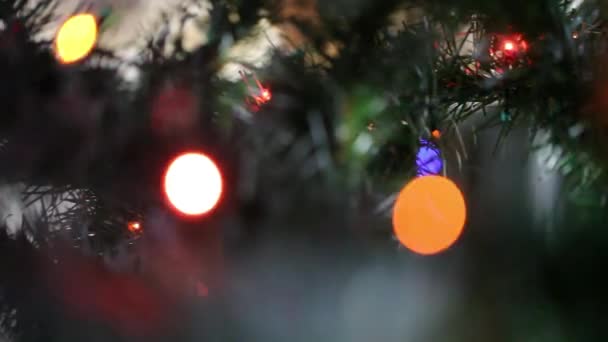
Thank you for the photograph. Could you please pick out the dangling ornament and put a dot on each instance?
(429, 215)
(76, 38)
(258, 94)
(428, 159)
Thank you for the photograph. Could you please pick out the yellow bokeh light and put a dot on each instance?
(429, 215)
(76, 38)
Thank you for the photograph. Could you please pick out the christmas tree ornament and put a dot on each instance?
(429, 215)
(76, 38)
(258, 94)
(428, 159)
(193, 184)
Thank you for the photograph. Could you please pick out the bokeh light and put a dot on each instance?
(134, 227)
(193, 184)
(174, 111)
(429, 215)
(76, 38)
(265, 96)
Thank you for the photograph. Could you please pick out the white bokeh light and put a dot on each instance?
(193, 184)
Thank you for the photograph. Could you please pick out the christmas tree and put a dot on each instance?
(347, 170)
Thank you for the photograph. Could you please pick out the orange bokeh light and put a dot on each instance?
(193, 184)
(436, 134)
(76, 38)
(429, 215)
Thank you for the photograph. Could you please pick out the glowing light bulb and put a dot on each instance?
(261, 95)
(76, 38)
(509, 46)
(193, 184)
(134, 227)
(266, 95)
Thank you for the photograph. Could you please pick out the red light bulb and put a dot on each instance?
(509, 46)
(266, 95)
(134, 227)
(261, 95)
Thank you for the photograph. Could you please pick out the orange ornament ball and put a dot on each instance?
(76, 38)
(429, 215)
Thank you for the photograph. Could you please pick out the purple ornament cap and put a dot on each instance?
(428, 159)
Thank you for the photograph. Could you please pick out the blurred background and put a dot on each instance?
(303, 244)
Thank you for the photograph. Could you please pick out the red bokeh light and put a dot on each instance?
(259, 96)
(134, 227)
(512, 45)
(127, 303)
(508, 50)
(174, 111)
(266, 96)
